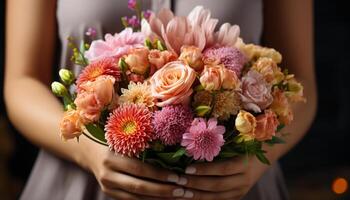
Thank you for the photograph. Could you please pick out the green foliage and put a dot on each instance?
(97, 132)
(275, 140)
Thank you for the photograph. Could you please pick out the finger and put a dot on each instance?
(120, 194)
(212, 183)
(141, 187)
(219, 168)
(138, 168)
(202, 195)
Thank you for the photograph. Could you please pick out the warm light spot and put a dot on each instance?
(340, 185)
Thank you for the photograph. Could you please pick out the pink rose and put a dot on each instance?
(95, 95)
(215, 77)
(266, 125)
(160, 58)
(256, 93)
(115, 46)
(172, 83)
(137, 60)
(70, 125)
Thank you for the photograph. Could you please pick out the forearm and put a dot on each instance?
(36, 113)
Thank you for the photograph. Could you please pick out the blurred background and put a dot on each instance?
(318, 168)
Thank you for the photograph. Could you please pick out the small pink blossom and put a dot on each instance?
(115, 46)
(203, 140)
(132, 4)
(256, 93)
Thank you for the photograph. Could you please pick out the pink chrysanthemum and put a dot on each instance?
(171, 123)
(129, 129)
(106, 66)
(203, 140)
(231, 57)
(115, 46)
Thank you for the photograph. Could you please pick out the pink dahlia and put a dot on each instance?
(171, 123)
(203, 140)
(106, 66)
(129, 129)
(115, 46)
(231, 57)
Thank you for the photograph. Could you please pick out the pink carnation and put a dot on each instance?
(230, 57)
(256, 93)
(203, 140)
(171, 123)
(115, 46)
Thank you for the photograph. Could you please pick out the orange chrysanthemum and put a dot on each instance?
(129, 129)
(106, 66)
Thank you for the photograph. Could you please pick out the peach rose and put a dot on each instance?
(281, 107)
(172, 83)
(137, 60)
(245, 123)
(192, 56)
(269, 69)
(266, 125)
(94, 97)
(160, 58)
(70, 125)
(215, 77)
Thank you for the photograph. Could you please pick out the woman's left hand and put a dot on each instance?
(229, 179)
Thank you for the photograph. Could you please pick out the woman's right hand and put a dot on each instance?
(122, 177)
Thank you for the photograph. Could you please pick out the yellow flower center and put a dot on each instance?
(129, 127)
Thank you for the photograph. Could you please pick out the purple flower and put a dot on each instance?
(203, 140)
(231, 57)
(132, 4)
(256, 92)
(91, 32)
(171, 123)
(134, 21)
(147, 14)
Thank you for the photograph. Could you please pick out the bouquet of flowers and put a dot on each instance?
(172, 91)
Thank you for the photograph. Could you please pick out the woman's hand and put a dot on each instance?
(129, 178)
(230, 179)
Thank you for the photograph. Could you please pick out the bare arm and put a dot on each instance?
(289, 28)
(30, 36)
(36, 112)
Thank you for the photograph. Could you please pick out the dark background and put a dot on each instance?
(310, 168)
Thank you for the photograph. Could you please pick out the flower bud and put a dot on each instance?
(59, 89)
(122, 65)
(160, 46)
(66, 76)
(202, 110)
(148, 44)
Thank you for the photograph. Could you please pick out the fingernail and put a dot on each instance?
(188, 194)
(179, 192)
(174, 178)
(190, 170)
(182, 181)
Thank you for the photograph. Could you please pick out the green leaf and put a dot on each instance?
(280, 127)
(164, 165)
(228, 154)
(179, 153)
(96, 131)
(262, 158)
(168, 157)
(275, 140)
